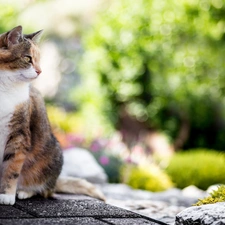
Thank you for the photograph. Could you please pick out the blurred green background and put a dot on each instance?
(142, 77)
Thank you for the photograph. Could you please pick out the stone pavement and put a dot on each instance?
(67, 209)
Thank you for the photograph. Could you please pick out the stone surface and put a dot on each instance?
(129, 221)
(49, 208)
(69, 209)
(78, 221)
(52, 221)
(211, 214)
(12, 212)
(80, 163)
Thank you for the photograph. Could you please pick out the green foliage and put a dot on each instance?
(11, 12)
(147, 177)
(163, 61)
(8, 14)
(199, 167)
(216, 196)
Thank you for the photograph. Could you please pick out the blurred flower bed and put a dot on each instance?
(133, 167)
(109, 153)
(136, 166)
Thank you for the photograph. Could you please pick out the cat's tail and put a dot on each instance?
(73, 185)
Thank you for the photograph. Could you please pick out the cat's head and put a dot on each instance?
(19, 56)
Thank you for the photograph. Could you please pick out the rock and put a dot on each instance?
(194, 192)
(80, 163)
(212, 188)
(211, 214)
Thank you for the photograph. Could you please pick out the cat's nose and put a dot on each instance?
(38, 71)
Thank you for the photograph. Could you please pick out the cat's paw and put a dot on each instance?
(24, 194)
(7, 199)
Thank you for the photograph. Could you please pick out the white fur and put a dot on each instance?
(6, 199)
(25, 194)
(14, 90)
(8, 77)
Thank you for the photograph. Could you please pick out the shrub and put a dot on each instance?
(199, 167)
(147, 177)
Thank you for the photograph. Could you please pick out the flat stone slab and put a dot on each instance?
(11, 212)
(52, 221)
(69, 209)
(129, 221)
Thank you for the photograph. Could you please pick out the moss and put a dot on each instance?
(216, 196)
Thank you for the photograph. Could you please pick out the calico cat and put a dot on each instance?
(30, 156)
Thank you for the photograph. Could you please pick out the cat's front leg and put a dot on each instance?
(10, 173)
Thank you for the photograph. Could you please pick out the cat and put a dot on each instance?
(30, 155)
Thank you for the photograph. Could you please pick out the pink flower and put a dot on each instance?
(95, 147)
(128, 160)
(75, 138)
(104, 160)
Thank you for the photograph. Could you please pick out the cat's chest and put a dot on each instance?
(4, 121)
(9, 100)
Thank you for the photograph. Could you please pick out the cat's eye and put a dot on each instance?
(28, 58)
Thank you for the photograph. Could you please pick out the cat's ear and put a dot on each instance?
(35, 37)
(14, 36)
